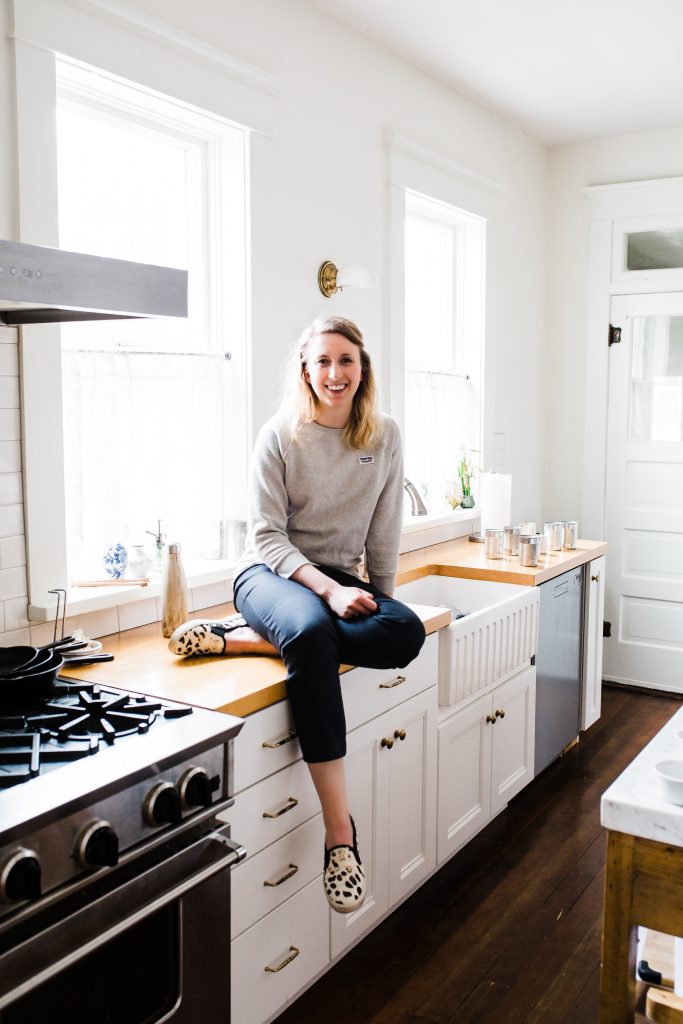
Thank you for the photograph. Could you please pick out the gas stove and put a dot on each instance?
(89, 775)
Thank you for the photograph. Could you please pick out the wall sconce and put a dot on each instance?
(355, 275)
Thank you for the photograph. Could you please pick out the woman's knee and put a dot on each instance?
(409, 636)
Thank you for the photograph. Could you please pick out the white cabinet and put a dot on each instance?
(276, 957)
(594, 612)
(282, 926)
(486, 756)
(391, 779)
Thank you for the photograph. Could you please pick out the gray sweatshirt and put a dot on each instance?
(314, 500)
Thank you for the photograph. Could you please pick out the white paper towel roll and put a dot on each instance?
(495, 500)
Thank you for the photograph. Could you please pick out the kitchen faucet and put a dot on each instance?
(417, 507)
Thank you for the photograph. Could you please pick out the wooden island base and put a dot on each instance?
(643, 886)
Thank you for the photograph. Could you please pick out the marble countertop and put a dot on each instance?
(634, 803)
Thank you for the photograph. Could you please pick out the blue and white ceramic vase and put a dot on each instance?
(115, 561)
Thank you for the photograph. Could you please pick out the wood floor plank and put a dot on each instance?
(508, 930)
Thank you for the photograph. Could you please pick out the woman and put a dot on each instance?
(326, 486)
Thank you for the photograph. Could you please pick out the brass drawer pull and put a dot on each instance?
(491, 719)
(293, 954)
(394, 682)
(387, 742)
(500, 714)
(596, 578)
(289, 872)
(274, 744)
(399, 734)
(289, 806)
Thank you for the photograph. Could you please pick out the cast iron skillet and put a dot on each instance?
(12, 659)
(25, 686)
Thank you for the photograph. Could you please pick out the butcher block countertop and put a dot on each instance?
(243, 685)
(236, 685)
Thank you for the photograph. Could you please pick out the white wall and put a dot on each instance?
(321, 193)
(570, 169)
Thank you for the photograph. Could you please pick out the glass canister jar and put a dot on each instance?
(529, 549)
(570, 533)
(494, 543)
(511, 540)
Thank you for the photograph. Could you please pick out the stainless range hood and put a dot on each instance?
(39, 285)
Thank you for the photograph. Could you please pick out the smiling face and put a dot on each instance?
(333, 370)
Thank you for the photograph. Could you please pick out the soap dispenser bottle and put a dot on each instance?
(173, 592)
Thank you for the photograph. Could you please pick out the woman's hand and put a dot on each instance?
(347, 602)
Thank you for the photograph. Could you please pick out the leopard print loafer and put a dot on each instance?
(200, 636)
(343, 877)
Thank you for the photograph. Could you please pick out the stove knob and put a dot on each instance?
(195, 788)
(20, 876)
(162, 805)
(97, 846)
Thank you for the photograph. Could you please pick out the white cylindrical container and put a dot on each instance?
(173, 592)
(511, 540)
(494, 543)
(553, 536)
(529, 549)
(527, 529)
(570, 533)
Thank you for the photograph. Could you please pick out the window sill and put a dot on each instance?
(81, 600)
(434, 519)
(93, 599)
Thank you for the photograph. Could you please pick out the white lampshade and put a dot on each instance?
(356, 275)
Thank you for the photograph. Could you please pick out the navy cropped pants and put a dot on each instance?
(313, 642)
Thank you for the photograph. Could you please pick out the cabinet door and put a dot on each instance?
(512, 754)
(278, 956)
(464, 796)
(412, 792)
(367, 786)
(594, 611)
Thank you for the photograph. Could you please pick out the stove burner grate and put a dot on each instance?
(27, 754)
(71, 725)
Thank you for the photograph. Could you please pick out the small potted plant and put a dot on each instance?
(465, 471)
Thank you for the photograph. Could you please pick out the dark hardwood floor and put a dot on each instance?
(509, 930)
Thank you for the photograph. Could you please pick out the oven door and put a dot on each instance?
(154, 948)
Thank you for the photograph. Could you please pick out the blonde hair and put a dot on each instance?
(364, 429)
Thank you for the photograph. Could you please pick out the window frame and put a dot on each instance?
(40, 350)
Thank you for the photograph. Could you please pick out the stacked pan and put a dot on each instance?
(27, 673)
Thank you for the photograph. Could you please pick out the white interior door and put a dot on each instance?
(644, 493)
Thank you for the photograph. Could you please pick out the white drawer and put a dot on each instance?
(270, 877)
(369, 692)
(267, 811)
(265, 744)
(295, 939)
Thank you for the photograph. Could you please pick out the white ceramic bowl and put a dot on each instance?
(670, 775)
(679, 737)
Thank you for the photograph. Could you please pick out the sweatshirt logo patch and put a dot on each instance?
(366, 458)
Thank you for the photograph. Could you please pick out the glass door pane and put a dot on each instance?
(656, 391)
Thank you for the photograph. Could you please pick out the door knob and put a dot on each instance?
(399, 734)
(387, 742)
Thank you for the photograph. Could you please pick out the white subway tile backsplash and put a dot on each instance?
(16, 638)
(11, 520)
(10, 425)
(16, 610)
(93, 624)
(12, 552)
(10, 488)
(138, 614)
(9, 360)
(207, 596)
(13, 583)
(10, 456)
(9, 392)
(42, 633)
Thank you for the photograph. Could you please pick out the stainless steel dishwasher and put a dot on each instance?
(558, 666)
